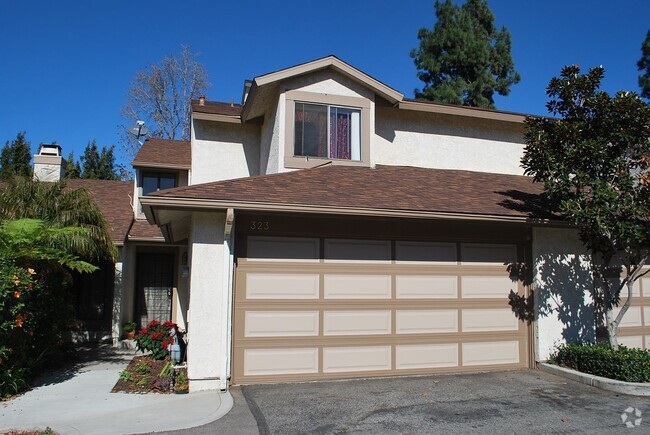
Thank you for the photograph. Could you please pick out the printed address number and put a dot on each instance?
(260, 225)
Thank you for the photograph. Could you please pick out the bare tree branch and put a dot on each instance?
(161, 94)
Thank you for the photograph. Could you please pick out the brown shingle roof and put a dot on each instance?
(384, 187)
(164, 152)
(114, 200)
(141, 229)
(217, 108)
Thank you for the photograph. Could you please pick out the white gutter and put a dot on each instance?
(227, 298)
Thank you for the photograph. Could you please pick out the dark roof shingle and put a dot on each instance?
(141, 229)
(114, 200)
(164, 152)
(384, 187)
(217, 108)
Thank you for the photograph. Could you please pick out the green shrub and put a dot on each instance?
(155, 338)
(129, 327)
(630, 365)
(126, 376)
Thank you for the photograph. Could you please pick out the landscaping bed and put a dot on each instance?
(625, 364)
(145, 374)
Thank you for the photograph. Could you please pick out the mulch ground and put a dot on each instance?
(143, 377)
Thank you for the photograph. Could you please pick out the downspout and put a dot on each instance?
(226, 301)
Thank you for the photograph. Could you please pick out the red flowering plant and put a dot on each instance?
(155, 338)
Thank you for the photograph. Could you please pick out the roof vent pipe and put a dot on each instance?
(247, 89)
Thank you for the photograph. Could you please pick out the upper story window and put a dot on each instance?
(327, 131)
(154, 181)
(326, 127)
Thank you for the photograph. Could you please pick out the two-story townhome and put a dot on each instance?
(336, 229)
(328, 227)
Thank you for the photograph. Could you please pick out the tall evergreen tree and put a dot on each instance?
(464, 59)
(6, 170)
(15, 158)
(106, 164)
(72, 169)
(98, 165)
(644, 67)
(90, 160)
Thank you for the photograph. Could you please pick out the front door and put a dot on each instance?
(155, 284)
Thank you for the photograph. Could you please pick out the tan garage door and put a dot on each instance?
(635, 327)
(310, 308)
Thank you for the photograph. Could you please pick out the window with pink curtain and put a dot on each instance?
(336, 136)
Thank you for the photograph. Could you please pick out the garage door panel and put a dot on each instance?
(280, 361)
(282, 286)
(489, 319)
(346, 250)
(362, 322)
(631, 340)
(426, 286)
(281, 323)
(422, 356)
(426, 321)
(489, 254)
(263, 248)
(357, 286)
(407, 252)
(356, 359)
(489, 353)
(491, 287)
(631, 318)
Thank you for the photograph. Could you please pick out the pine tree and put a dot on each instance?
(644, 66)
(106, 164)
(464, 59)
(90, 161)
(72, 169)
(15, 158)
(98, 165)
(6, 171)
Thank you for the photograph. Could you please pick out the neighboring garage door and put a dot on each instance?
(635, 327)
(320, 308)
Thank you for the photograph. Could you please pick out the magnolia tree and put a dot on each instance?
(594, 162)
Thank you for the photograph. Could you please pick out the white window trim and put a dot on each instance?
(300, 162)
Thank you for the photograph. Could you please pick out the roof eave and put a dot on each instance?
(462, 111)
(151, 203)
(232, 119)
(138, 165)
(381, 89)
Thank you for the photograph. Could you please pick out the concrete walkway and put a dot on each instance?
(78, 401)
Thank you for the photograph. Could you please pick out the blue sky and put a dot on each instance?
(67, 65)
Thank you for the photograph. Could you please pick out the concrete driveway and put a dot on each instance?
(484, 403)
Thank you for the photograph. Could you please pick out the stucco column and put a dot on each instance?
(116, 315)
(208, 327)
(563, 283)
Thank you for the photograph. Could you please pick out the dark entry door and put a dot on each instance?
(155, 286)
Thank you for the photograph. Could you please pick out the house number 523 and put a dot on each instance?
(260, 225)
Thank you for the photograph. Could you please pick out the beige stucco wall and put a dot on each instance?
(562, 282)
(208, 322)
(271, 135)
(222, 151)
(410, 138)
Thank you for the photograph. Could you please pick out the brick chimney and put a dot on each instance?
(202, 100)
(49, 165)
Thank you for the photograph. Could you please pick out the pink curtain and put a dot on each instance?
(339, 136)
